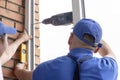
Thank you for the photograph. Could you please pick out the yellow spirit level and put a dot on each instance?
(23, 53)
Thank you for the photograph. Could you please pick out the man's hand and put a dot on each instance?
(106, 50)
(24, 36)
(21, 66)
(21, 73)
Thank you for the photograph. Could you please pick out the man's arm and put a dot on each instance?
(106, 51)
(11, 49)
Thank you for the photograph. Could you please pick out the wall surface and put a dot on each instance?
(12, 14)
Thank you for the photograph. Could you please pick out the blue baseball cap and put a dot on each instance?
(6, 30)
(90, 27)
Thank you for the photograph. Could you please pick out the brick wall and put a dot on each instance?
(37, 33)
(12, 14)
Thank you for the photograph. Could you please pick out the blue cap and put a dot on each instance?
(90, 27)
(6, 30)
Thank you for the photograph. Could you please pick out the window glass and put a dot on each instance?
(53, 39)
(107, 13)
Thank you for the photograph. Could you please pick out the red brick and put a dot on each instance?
(16, 55)
(37, 32)
(36, 8)
(37, 52)
(37, 16)
(37, 2)
(2, 3)
(22, 11)
(8, 73)
(14, 36)
(11, 15)
(8, 22)
(19, 2)
(9, 64)
(19, 26)
(37, 60)
(12, 7)
(37, 42)
(37, 25)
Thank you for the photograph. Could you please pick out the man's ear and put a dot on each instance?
(96, 50)
(70, 39)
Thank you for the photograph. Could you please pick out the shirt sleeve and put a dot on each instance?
(107, 62)
(56, 69)
(109, 66)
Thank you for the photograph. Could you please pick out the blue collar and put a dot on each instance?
(80, 52)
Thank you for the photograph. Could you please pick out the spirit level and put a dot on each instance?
(23, 53)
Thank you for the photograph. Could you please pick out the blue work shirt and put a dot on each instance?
(62, 68)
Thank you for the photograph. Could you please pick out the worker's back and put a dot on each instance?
(63, 68)
(99, 69)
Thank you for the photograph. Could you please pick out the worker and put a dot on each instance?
(85, 40)
(8, 50)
